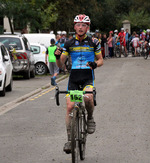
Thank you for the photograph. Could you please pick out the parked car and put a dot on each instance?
(6, 68)
(39, 54)
(22, 56)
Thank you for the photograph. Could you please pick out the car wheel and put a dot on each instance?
(40, 69)
(2, 93)
(9, 87)
(27, 74)
(32, 73)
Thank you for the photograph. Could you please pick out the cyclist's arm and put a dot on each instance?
(60, 62)
(99, 60)
(98, 55)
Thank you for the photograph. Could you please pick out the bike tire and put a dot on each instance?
(146, 56)
(117, 53)
(74, 137)
(82, 136)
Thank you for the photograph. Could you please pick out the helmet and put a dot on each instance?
(82, 19)
(59, 32)
(115, 31)
(64, 33)
(111, 32)
(122, 29)
(148, 30)
(96, 31)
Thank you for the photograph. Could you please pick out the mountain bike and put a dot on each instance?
(119, 49)
(78, 121)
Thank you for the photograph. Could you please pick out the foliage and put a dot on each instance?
(55, 15)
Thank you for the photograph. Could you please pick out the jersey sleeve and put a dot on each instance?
(66, 49)
(97, 46)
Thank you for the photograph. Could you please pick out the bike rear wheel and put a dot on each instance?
(82, 136)
(74, 137)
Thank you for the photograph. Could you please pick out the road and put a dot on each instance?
(34, 131)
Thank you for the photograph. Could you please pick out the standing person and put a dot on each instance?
(53, 68)
(121, 36)
(82, 72)
(135, 44)
(110, 46)
(115, 34)
(103, 44)
(127, 39)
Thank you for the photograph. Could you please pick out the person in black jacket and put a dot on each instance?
(127, 39)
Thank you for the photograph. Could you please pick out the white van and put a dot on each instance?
(40, 38)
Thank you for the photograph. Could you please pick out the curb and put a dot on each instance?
(12, 104)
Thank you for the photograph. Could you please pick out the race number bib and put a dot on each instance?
(76, 96)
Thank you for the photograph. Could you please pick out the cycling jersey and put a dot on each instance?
(121, 36)
(81, 53)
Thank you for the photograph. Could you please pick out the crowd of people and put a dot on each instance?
(107, 42)
(124, 38)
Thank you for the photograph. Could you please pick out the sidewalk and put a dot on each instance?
(23, 89)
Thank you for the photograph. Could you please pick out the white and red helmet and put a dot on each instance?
(82, 19)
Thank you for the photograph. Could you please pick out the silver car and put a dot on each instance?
(21, 55)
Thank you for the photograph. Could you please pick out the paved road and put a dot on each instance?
(34, 131)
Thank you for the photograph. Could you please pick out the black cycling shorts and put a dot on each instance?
(80, 85)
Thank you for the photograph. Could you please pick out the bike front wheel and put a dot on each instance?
(74, 137)
(82, 136)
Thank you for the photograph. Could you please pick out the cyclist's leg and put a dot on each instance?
(70, 105)
(89, 104)
(89, 101)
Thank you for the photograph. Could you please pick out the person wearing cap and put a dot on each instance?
(121, 36)
(53, 68)
(83, 51)
(115, 34)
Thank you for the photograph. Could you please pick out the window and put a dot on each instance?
(35, 49)
(26, 43)
(4, 53)
(7, 41)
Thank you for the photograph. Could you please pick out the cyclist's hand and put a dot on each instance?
(58, 53)
(93, 65)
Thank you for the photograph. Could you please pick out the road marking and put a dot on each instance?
(41, 94)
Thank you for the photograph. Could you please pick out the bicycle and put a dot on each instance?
(78, 122)
(147, 51)
(119, 49)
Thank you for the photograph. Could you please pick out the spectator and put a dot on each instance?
(110, 46)
(54, 70)
(115, 33)
(135, 44)
(104, 40)
(127, 39)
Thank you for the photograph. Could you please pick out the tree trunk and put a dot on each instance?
(11, 27)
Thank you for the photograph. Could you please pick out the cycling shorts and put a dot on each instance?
(80, 85)
(123, 43)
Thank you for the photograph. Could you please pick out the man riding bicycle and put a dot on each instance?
(121, 36)
(83, 51)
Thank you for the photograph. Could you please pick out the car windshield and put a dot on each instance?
(10, 41)
(35, 49)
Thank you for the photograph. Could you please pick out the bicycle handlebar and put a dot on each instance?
(57, 92)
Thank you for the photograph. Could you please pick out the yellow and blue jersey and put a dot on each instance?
(82, 52)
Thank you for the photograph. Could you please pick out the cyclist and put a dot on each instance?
(121, 35)
(83, 51)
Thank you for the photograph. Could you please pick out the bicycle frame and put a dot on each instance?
(78, 126)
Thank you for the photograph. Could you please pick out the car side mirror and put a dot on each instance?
(6, 58)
